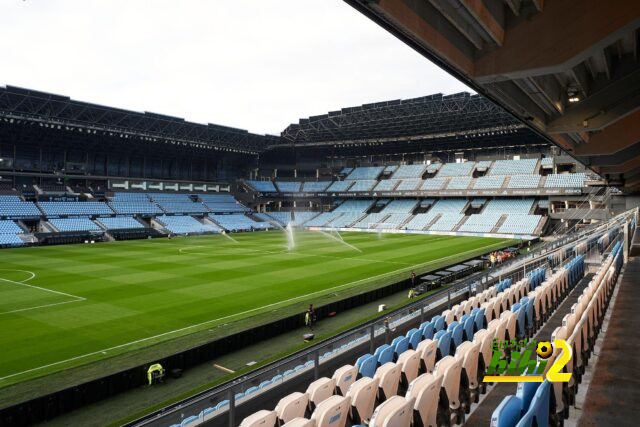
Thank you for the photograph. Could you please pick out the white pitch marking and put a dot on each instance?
(40, 306)
(324, 291)
(43, 289)
(33, 275)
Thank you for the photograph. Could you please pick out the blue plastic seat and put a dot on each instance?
(400, 345)
(189, 420)
(451, 326)
(427, 330)
(507, 413)
(457, 335)
(469, 331)
(479, 319)
(222, 404)
(384, 354)
(444, 345)
(367, 365)
(438, 334)
(208, 411)
(276, 378)
(525, 393)
(415, 338)
(250, 390)
(521, 319)
(239, 396)
(538, 413)
(264, 384)
(438, 323)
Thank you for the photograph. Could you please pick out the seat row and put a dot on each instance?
(432, 374)
(547, 403)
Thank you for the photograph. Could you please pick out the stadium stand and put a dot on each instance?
(282, 218)
(480, 223)
(323, 219)
(394, 221)
(9, 233)
(386, 185)
(514, 167)
(410, 171)
(19, 210)
(355, 206)
(55, 209)
(510, 206)
(74, 224)
(420, 221)
(363, 185)
(315, 186)
(346, 219)
(565, 180)
(119, 223)
(433, 184)
(447, 222)
(10, 227)
(299, 218)
(10, 240)
(456, 169)
(288, 186)
(238, 222)
(448, 206)
(340, 185)
(492, 181)
(520, 224)
(404, 206)
(366, 173)
(183, 224)
(459, 183)
(370, 220)
(222, 203)
(524, 181)
(262, 186)
(409, 185)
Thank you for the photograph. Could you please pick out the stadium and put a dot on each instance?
(354, 270)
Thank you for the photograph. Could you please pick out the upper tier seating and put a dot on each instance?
(10, 227)
(420, 221)
(354, 206)
(53, 209)
(238, 222)
(410, 171)
(133, 207)
(433, 167)
(340, 185)
(456, 169)
(447, 222)
(480, 223)
(322, 219)
(564, 180)
(363, 185)
(409, 185)
(400, 206)
(183, 207)
(508, 206)
(448, 206)
(370, 172)
(524, 181)
(546, 161)
(262, 186)
(120, 223)
(514, 167)
(492, 181)
(170, 197)
(459, 183)
(390, 168)
(484, 164)
(315, 186)
(520, 224)
(386, 185)
(183, 224)
(346, 171)
(10, 198)
(74, 224)
(119, 196)
(299, 218)
(431, 184)
(289, 186)
(222, 203)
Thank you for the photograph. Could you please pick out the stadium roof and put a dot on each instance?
(426, 117)
(55, 110)
(568, 69)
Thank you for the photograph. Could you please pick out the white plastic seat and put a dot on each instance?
(320, 390)
(344, 377)
(363, 394)
(389, 377)
(450, 369)
(262, 418)
(292, 406)
(332, 412)
(409, 362)
(424, 392)
(394, 412)
(468, 353)
(427, 349)
(300, 422)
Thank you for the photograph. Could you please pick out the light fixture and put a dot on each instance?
(574, 99)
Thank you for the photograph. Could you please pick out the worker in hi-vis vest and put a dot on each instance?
(155, 372)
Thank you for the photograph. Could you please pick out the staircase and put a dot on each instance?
(501, 221)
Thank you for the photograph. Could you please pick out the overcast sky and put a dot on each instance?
(254, 64)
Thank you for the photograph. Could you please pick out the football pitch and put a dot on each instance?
(65, 306)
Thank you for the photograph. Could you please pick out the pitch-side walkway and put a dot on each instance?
(613, 397)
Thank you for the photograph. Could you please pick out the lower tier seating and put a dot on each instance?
(186, 225)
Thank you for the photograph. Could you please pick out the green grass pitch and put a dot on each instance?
(64, 306)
